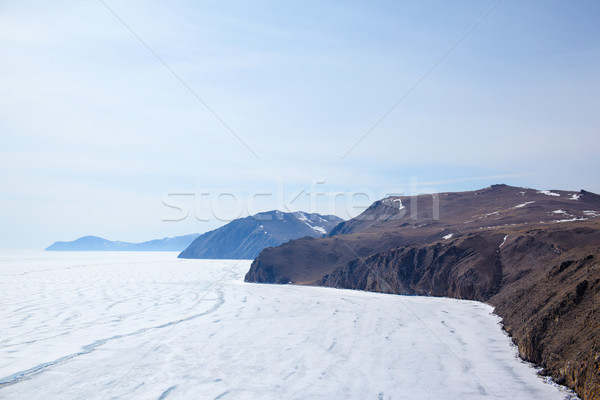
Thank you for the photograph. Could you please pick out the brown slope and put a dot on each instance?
(543, 279)
(402, 221)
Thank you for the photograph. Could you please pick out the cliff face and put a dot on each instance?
(548, 297)
(540, 267)
(552, 307)
(467, 268)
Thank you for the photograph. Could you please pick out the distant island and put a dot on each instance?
(95, 243)
(245, 238)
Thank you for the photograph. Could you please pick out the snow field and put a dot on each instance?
(151, 326)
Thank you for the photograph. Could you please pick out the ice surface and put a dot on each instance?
(151, 326)
(448, 236)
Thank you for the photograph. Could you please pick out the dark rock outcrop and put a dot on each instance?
(468, 268)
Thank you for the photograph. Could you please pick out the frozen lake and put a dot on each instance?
(151, 326)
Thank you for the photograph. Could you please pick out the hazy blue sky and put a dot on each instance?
(96, 131)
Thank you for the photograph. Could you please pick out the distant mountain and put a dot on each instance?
(95, 243)
(532, 254)
(244, 238)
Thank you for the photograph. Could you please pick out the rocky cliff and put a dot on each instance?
(534, 255)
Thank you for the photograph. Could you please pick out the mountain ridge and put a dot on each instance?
(244, 238)
(96, 243)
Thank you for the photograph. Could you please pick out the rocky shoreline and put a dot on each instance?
(541, 275)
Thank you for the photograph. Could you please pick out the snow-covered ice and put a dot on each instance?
(151, 326)
(448, 236)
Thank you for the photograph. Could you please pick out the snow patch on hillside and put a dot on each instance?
(302, 216)
(569, 220)
(319, 229)
(400, 205)
(548, 193)
(524, 204)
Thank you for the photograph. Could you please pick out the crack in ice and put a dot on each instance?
(89, 348)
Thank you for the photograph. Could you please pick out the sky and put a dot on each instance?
(135, 120)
